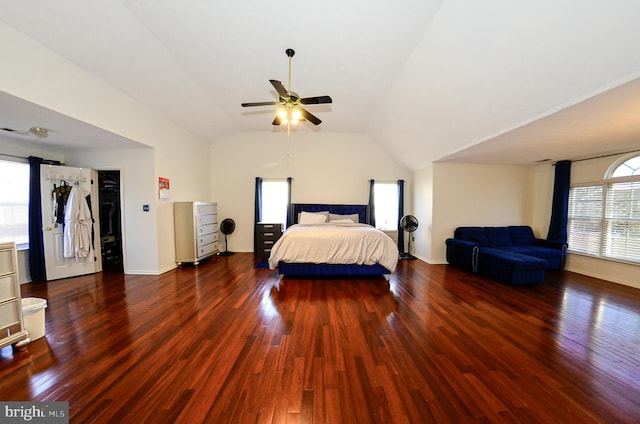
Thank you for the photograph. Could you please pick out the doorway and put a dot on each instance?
(110, 220)
(68, 253)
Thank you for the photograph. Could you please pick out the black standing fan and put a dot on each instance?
(226, 227)
(409, 223)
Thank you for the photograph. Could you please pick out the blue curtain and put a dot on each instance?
(400, 215)
(36, 241)
(257, 210)
(289, 203)
(560, 205)
(372, 203)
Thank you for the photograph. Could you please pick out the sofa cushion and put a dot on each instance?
(509, 267)
(523, 250)
(521, 235)
(474, 234)
(498, 236)
(544, 252)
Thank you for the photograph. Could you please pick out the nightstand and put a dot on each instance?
(266, 236)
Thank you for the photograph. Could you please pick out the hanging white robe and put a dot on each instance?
(77, 225)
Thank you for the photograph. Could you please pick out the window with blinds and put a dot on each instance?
(275, 196)
(386, 205)
(622, 221)
(14, 202)
(584, 224)
(604, 220)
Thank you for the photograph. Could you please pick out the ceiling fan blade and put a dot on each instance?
(316, 100)
(309, 117)
(276, 121)
(259, 104)
(279, 88)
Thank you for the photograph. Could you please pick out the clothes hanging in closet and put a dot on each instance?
(78, 225)
(59, 196)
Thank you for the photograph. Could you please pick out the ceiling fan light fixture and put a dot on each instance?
(283, 114)
(289, 115)
(290, 111)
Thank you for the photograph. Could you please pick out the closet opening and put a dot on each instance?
(110, 220)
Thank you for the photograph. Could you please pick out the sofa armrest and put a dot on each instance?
(555, 245)
(462, 253)
(550, 243)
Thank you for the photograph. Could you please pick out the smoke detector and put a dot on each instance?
(39, 131)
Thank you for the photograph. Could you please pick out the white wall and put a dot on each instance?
(470, 195)
(423, 201)
(186, 161)
(325, 167)
(136, 174)
(15, 147)
(149, 246)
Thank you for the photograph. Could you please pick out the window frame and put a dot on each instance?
(608, 222)
(266, 182)
(10, 159)
(377, 208)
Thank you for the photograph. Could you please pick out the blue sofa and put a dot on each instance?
(510, 254)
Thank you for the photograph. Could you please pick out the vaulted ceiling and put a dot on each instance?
(490, 82)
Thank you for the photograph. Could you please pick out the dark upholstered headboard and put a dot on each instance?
(361, 210)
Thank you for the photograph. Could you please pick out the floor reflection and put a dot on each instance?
(599, 335)
(376, 294)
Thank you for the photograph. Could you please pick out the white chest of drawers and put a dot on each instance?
(12, 329)
(196, 231)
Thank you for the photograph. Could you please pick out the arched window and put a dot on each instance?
(628, 168)
(604, 220)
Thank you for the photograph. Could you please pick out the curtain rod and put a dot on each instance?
(13, 156)
(44, 161)
(605, 156)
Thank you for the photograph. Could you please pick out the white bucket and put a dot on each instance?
(33, 313)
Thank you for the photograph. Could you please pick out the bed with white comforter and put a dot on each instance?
(337, 243)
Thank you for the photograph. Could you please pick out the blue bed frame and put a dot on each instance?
(309, 269)
(361, 210)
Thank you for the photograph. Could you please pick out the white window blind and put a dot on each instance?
(622, 221)
(604, 220)
(14, 202)
(275, 196)
(386, 205)
(584, 225)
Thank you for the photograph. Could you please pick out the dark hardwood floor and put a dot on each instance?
(225, 342)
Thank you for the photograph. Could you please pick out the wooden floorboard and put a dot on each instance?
(227, 342)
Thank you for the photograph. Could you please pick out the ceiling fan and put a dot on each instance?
(290, 110)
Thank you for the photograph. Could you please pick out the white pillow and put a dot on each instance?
(352, 217)
(344, 221)
(324, 213)
(312, 218)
